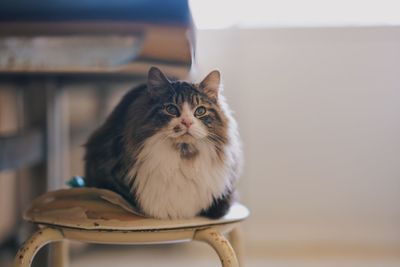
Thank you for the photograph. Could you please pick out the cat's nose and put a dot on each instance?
(187, 122)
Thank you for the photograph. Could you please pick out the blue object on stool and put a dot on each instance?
(76, 181)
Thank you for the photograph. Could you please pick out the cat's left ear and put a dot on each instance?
(211, 84)
(157, 82)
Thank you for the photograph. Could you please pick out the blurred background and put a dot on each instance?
(314, 86)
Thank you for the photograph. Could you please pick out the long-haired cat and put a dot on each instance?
(171, 148)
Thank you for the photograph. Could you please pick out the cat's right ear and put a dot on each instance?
(157, 82)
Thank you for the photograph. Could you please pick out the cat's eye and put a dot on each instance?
(172, 110)
(200, 111)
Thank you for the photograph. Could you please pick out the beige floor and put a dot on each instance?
(199, 255)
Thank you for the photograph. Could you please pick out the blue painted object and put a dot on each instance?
(159, 11)
(76, 181)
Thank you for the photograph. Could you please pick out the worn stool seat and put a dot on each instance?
(101, 216)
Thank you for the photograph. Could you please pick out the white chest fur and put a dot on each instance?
(168, 186)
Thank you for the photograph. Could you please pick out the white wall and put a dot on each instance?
(319, 111)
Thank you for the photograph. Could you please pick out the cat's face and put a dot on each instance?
(193, 116)
(189, 113)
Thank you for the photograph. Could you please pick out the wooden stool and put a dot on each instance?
(101, 216)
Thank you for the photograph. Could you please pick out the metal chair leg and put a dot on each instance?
(29, 249)
(220, 244)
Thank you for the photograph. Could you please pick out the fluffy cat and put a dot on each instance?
(171, 148)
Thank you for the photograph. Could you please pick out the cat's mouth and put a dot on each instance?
(185, 132)
(186, 138)
(177, 129)
(190, 134)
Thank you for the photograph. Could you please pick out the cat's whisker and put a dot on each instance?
(215, 138)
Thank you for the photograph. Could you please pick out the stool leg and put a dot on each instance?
(235, 237)
(29, 249)
(59, 252)
(220, 244)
